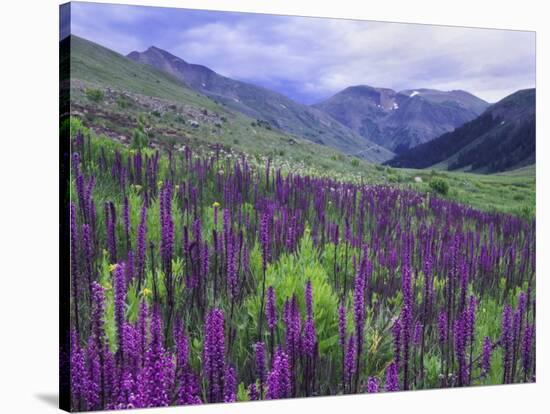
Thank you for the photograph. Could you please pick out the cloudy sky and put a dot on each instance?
(309, 59)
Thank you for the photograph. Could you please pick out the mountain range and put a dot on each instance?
(402, 120)
(416, 128)
(265, 105)
(502, 138)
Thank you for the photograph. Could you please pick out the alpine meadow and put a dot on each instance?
(237, 238)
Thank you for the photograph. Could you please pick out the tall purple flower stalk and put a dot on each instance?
(309, 300)
(396, 333)
(74, 268)
(349, 363)
(79, 380)
(96, 397)
(372, 385)
(406, 323)
(359, 309)
(342, 339)
(157, 377)
(507, 339)
(230, 384)
(141, 245)
(264, 240)
(259, 350)
(279, 381)
(460, 339)
(392, 378)
(110, 222)
(120, 306)
(214, 355)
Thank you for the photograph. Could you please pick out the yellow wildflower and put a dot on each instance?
(215, 204)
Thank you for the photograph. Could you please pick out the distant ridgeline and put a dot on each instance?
(500, 139)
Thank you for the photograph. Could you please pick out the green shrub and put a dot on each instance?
(288, 276)
(140, 137)
(123, 102)
(95, 95)
(440, 186)
(355, 162)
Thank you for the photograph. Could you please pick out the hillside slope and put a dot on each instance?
(110, 94)
(264, 105)
(401, 120)
(501, 139)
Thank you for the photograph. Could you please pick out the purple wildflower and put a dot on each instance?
(372, 385)
(278, 381)
(392, 378)
(214, 355)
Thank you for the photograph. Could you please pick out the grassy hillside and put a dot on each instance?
(109, 93)
(267, 106)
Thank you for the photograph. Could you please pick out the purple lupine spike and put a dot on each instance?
(406, 319)
(507, 339)
(87, 255)
(253, 392)
(392, 378)
(126, 216)
(471, 318)
(142, 330)
(309, 341)
(79, 381)
(342, 325)
(167, 229)
(126, 395)
(95, 395)
(264, 239)
(74, 267)
(230, 384)
(131, 348)
(182, 347)
(396, 333)
(157, 375)
(359, 308)
(110, 221)
(372, 385)
(460, 337)
(271, 310)
(349, 362)
(278, 381)
(232, 257)
(486, 356)
(189, 390)
(214, 355)
(141, 244)
(119, 284)
(309, 300)
(259, 349)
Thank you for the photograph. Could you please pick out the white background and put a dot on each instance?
(29, 203)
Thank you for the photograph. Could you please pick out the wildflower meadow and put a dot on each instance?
(205, 276)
